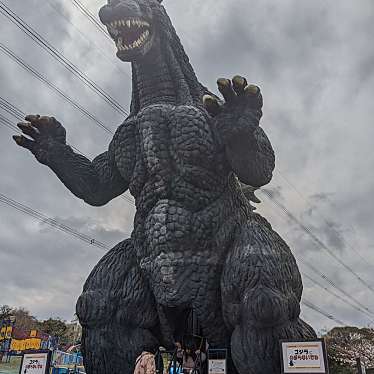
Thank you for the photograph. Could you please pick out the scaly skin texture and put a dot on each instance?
(197, 244)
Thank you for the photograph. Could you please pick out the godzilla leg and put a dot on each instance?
(117, 312)
(261, 292)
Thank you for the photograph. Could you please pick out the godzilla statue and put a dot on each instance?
(197, 243)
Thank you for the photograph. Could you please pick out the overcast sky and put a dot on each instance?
(314, 61)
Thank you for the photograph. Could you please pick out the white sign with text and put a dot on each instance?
(34, 363)
(217, 367)
(303, 357)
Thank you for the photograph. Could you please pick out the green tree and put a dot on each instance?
(5, 312)
(54, 327)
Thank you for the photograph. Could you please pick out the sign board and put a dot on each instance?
(217, 367)
(37, 362)
(304, 357)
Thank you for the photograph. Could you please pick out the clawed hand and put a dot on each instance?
(241, 99)
(43, 131)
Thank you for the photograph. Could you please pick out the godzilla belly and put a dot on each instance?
(178, 256)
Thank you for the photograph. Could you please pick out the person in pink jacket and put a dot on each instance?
(145, 363)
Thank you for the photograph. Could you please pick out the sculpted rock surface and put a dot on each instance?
(197, 245)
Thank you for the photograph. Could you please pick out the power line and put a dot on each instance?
(321, 311)
(51, 222)
(98, 48)
(5, 122)
(325, 220)
(333, 284)
(91, 18)
(20, 115)
(58, 56)
(342, 299)
(315, 238)
(11, 109)
(55, 88)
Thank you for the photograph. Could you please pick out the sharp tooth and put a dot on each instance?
(133, 22)
(128, 23)
(119, 43)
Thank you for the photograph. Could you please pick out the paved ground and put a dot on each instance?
(12, 367)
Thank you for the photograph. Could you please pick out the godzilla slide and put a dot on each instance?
(197, 245)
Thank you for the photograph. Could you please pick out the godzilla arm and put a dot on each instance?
(95, 182)
(250, 154)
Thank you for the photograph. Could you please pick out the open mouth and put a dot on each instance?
(130, 34)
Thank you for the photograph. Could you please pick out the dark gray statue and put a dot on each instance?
(197, 245)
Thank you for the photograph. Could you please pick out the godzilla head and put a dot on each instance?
(134, 26)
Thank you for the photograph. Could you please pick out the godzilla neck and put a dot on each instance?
(161, 79)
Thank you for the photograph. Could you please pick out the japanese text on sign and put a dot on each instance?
(34, 363)
(303, 357)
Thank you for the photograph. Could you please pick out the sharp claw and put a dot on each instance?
(211, 104)
(252, 90)
(239, 82)
(17, 139)
(223, 82)
(208, 99)
(225, 87)
(24, 142)
(24, 125)
(32, 117)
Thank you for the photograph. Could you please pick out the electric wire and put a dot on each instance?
(98, 48)
(59, 57)
(51, 222)
(52, 86)
(7, 123)
(342, 299)
(324, 219)
(314, 307)
(91, 18)
(20, 115)
(315, 238)
(331, 282)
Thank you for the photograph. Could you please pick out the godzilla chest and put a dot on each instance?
(176, 142)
